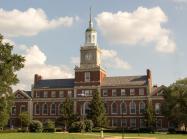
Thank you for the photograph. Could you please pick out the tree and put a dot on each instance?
(9, 64)
(150, 117)
(36, 126)
(25, 119)
(68, 115)
(175, 104)
(97, 111)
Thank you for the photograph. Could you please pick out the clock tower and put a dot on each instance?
(90, 71)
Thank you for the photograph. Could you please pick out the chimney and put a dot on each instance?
(149, 80)
(37, 78)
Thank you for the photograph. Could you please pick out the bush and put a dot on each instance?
(88, 125)
(35, 126)
(8, 131)
(77, 127)
(49, 126)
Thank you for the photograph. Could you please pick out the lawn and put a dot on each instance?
(85, 136)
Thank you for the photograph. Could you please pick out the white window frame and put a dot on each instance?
(88, 93)
(45, 94)
(61, 94)
(124, 120)
(132, 92)
(141, 91)
(132, 102)
(51, 109)
(53, 94)
(44, 109)
(35, 111)
(140, 107)
(87, 76)
(37, 94)
(132, 122)
(12, 110)
(59, 109)
(112, 108)
(22, 106)
(142, 123)
(123, 92)
(157, 108)
(121, 108)
(70, 93)
(115, 120)
(105, 92)
(114, 92)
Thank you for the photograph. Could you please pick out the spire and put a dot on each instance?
(90, 22)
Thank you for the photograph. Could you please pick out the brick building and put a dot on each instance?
(125, 97)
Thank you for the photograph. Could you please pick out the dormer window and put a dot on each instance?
(87, 76)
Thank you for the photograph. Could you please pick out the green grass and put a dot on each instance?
(83, 136)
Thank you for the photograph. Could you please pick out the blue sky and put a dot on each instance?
(134, 35)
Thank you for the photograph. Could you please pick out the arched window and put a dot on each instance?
(142, 107)
(106, 107)
(53, 109)
(132, 107)
(45, 109)
(123, 108)
(37, 109)
(114, 108)
(86, 108)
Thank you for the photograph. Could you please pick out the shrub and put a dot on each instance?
(77, 127)
(88, 125)
(36, 126)
(49, 126)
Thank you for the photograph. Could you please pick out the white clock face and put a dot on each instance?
(88, 56)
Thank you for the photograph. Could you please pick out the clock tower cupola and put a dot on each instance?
(90, 71)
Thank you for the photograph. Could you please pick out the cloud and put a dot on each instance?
(141, 26)
(180, 1)
(36, 63)
(75, 60)
(110, 59)
(30, 22)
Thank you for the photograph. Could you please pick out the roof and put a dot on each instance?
(28, 93)
(125, 81)
(55, 83)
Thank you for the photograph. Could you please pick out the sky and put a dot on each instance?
(134, 35)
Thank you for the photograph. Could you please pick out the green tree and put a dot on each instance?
(150, 117)
(97, 111)
(68, 115)
(175, 104)
(24, 119)
(9, 64)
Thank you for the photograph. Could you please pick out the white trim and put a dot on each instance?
(140, 106)
(125, 121)
(131, 122)
(35, 105)
(51, 109)
(43, 109)
(132, 102)
(112, 108)
(121, 108)
(59, 109)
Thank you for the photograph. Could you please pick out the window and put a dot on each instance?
(132, 108)
(87, 77)
(14, 110)
(53, 94)
(141, 91)
(69, 93)
(142, 123)
(37, 109)
(105, 92)
(60, 109)
(123, 92)
(133, 123)
(114, 108)
(115, 122)
(37, 94)
(45, 109)
(142, 107)
(53, 109)
(22, 108)
(159, 123)
(106, 107)
(123, 108)
(132, 92)
(114, 92)
(86, 108)
(45, 94)
(123, 122)
(61, 93)
(157, 108)
(88, 92)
